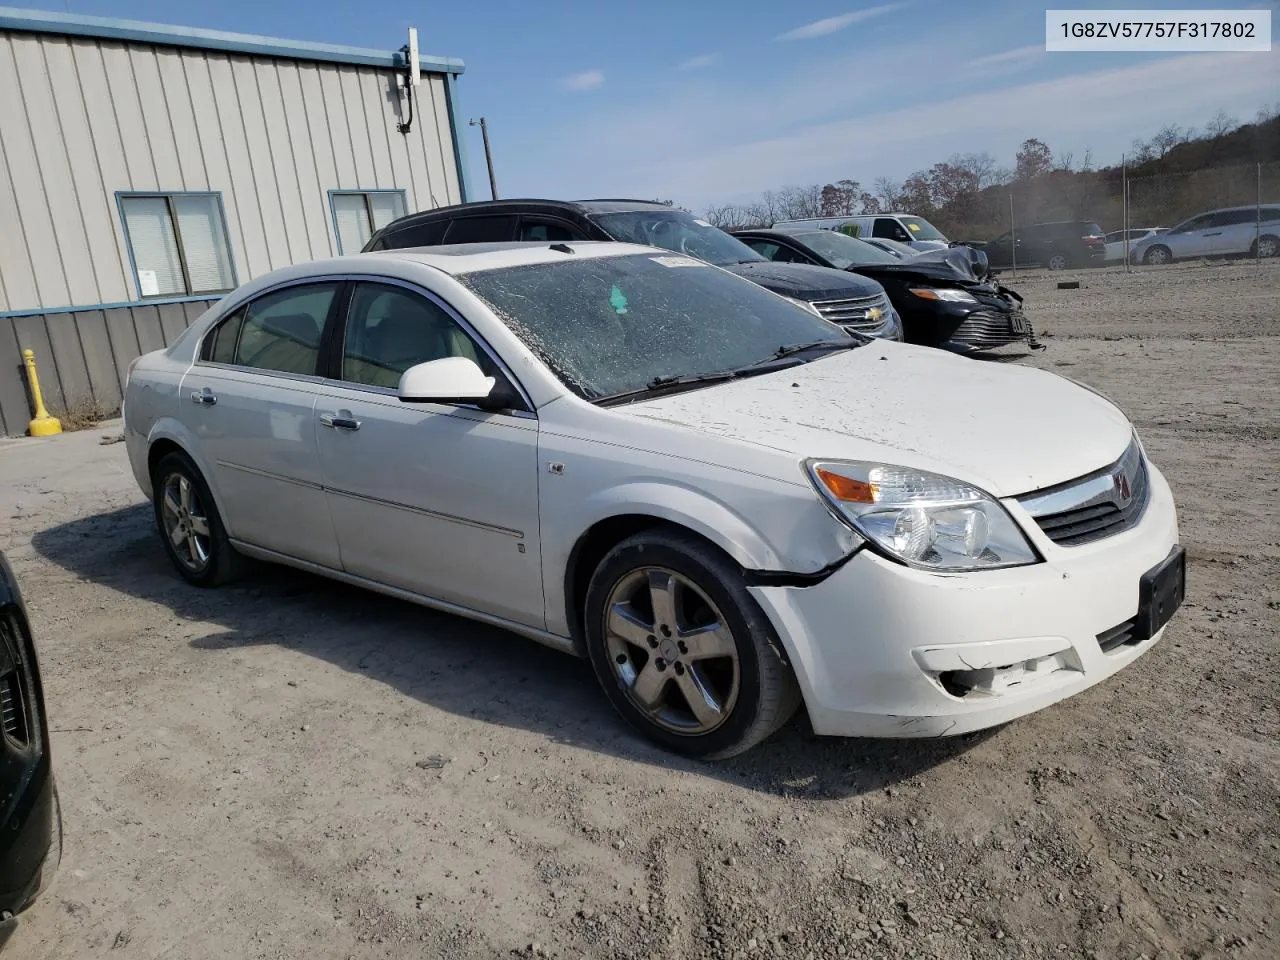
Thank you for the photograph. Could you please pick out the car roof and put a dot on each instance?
(460, 258)
(515, 204)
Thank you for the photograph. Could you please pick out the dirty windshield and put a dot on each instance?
(611, 325)
(678, 231)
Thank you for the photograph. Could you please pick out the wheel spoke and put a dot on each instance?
(170, 502)
(200, 525)
(703, 643)
(198, 553)
(177, 536)
(702, 704)
(649, 683)
(662, 594)
(184, 493)
(624, 622)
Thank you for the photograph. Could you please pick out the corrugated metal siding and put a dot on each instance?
(93, 117)
(83, 357)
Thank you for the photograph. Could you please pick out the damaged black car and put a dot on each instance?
(946, 298)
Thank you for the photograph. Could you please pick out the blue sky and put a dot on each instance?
(707, 101)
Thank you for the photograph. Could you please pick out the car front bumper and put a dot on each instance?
(874, 644)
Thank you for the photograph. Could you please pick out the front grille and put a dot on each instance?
(857, 313)
(14, 718)
(1094, 506)
(984, 329)
(1121, 635)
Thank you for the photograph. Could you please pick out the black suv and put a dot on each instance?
(30, 828)
(856, 303)
(1061, 245)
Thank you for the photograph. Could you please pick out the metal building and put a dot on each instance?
(145, 170)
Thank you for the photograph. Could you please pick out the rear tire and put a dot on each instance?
(682, 650)
(189, 525)
(1265, 246)
(1058, 262)
(1158, 257)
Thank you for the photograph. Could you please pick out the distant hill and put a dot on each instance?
(1192, 176)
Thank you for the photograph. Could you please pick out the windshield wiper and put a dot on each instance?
(666, 384)
(791, 349)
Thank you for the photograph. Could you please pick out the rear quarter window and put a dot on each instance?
(493, 229)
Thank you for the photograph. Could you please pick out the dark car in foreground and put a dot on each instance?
(1060, 245)
(944, 297)
(856, 303)
(30, 828)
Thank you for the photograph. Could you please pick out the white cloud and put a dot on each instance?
(700, 62)
(1009, 60)
(731, 148)
(829, 25)
(587, 80)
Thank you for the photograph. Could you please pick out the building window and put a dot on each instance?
(357, 214)
(178, 243)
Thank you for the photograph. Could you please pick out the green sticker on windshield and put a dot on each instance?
(618, 299)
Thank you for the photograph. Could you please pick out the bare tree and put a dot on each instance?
(1220, 124)
(1064, 161)
(1268, 112)
(1168, 137)
(888, 193)
(1086, 162)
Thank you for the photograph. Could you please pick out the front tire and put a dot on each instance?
(682, 650)
(189, 525)
(1058, 262)
(1158, 257)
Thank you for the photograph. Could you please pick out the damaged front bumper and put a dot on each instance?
(885, 650)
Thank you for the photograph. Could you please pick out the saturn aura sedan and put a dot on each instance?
(728, 504)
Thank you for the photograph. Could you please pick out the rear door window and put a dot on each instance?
(492, 229)
(542, 230)
(427, 234)
(281, 330)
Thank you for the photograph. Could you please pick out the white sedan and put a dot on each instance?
(728, 504)
(1115, 240)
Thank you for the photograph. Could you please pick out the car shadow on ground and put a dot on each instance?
(426, 655)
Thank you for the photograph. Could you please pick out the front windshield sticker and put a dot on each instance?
(619, 300)
(913, 227)
(677, 261)
(702, 223)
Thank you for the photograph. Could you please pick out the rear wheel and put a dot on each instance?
(682, 650)
(189, 525)
(1058, 261)
(1158, 257)
(1265, 246)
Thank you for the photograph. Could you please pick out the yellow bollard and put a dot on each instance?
(43, 425)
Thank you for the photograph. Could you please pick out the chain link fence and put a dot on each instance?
(1196, 202)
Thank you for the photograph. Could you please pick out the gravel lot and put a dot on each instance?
(289, 768)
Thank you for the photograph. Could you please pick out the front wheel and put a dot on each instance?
(1158, 257)
(189, 525)
(1058, 262)
(682, 650)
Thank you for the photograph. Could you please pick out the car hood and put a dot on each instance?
(804, 282)
(1007, 429)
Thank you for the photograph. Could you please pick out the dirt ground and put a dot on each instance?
(289, 768)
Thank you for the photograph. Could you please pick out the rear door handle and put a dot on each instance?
(339, 422)
(205, 396)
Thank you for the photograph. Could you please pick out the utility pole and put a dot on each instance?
(488, 155)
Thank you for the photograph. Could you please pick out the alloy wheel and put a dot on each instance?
(1057, 262)
(1157, 257)
(1267, 247)
(672, 651)
(186, 522)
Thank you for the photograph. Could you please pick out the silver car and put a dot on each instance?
(1229, 232)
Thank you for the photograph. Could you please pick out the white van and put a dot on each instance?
(916, 232)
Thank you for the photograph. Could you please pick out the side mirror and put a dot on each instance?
(448, 380)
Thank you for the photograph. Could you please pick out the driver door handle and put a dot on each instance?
(339, 422)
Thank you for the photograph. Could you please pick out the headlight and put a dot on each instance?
(944, 293)
(923, 519)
